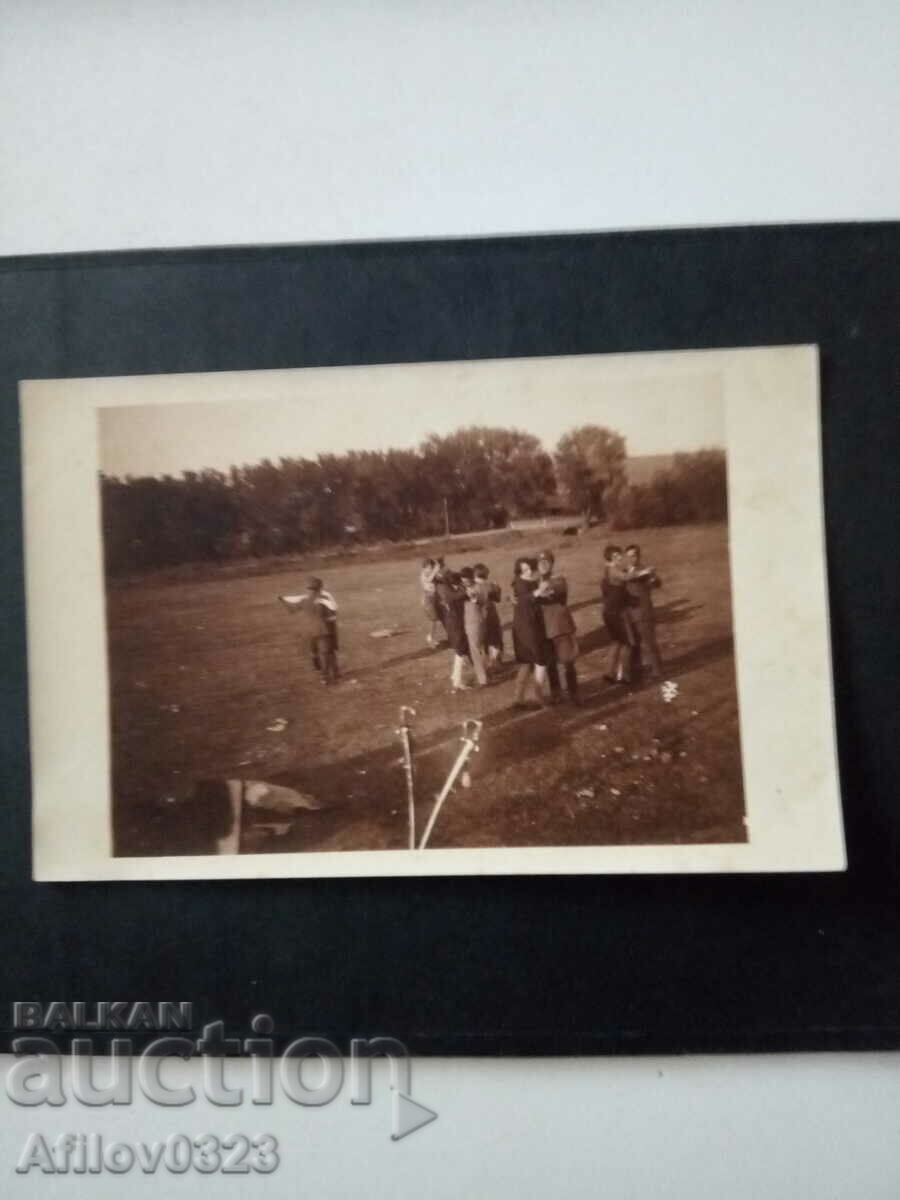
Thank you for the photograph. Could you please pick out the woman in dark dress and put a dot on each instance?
(529, 638)
(493, 628)
(451, 597)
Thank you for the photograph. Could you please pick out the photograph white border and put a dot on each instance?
(780, 605)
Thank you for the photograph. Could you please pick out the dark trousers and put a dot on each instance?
(324, 655)
(553, 672)
(646, 630)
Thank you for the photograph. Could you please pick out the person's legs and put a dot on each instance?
(540, 682)
(331, 663)
(494, 638)
(456, 672)
(631, 652)
(430, 610)
(314, 653)
(552, 671)
(330, 670)
(572, 682)
(635, 645)
(637, 655)
(478, 662)
(325, 658)
(648, 632)
(614, 661)
(523, 675)
(623, 675)
(456, 666)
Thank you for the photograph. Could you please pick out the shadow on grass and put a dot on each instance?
(363, 798)
(360, 784)
(675, 611)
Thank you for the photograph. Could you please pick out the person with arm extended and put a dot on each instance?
(319, 610)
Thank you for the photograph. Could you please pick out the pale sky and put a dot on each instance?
(207, 421)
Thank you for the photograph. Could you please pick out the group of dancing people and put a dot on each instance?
(461, 609)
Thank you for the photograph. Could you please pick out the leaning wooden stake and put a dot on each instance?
(404, 731)
(471, 733)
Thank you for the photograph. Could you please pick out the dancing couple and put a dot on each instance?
(465, 604)
(628, 614)
(544, 638)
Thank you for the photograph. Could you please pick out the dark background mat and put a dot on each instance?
(497, 965)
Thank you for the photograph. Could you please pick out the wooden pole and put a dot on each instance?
(408, 771)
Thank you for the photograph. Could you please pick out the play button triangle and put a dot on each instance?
(408, 1115)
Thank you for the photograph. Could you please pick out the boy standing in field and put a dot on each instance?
(639, 588)
(318, 609)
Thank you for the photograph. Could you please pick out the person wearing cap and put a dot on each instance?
(318, 609)
(559, 626)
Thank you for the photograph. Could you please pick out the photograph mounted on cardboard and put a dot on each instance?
(529, 615)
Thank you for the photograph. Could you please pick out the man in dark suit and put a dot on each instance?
(553, 595)
(639, 588)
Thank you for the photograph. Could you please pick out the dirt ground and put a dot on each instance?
(199, 670)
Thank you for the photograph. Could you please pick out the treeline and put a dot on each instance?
(475, 478)
(694, 488)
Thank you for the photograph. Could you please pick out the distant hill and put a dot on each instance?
(642, 467)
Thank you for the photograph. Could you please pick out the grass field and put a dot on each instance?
(200, 668)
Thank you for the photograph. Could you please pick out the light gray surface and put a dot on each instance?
(186, 122)
(778, 1128)
(125, 124)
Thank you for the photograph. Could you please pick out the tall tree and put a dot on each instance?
(589, 461)
(482, 470)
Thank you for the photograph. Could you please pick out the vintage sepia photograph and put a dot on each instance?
(380, 613)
